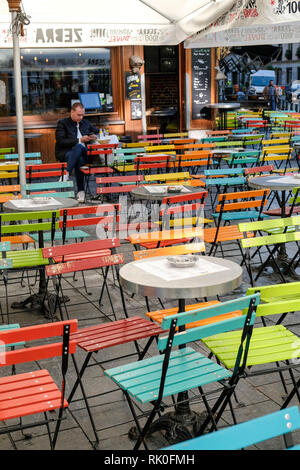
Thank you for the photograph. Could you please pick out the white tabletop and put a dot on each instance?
(275, 182)
(156, 277)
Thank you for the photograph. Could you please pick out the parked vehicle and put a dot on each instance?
(291, 91)
(258, 81)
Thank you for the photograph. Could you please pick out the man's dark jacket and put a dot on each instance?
(66, 135)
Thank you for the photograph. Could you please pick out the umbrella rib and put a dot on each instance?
(157, 11)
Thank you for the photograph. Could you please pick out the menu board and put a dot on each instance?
(133, 85)
(201, 77)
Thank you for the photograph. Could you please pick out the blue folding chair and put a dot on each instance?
(176, 371)
(239, 436)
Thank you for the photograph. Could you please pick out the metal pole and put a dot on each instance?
(19, 106)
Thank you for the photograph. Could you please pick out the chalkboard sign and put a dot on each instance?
(133, 85)
(201, 77)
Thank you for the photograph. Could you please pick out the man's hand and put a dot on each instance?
(87, 138)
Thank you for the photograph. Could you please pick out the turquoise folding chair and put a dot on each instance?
(280, 423)
(175, 372)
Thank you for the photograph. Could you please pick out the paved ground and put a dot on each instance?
(257, 396)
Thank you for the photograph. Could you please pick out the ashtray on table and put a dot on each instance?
(41, 200)
(183, 261)
(174, 189)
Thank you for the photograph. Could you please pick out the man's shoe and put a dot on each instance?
(65, 178)
(81, 196)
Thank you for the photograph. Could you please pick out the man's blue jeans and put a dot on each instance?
(75, 158)
(273, 103)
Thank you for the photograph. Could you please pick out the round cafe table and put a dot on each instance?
(27, 137)
(38, 300)
(146, 192)
(156, 277)
(223, 109)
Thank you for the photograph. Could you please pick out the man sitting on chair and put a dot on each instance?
(72, 135)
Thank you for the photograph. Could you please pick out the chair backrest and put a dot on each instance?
(277, 298)
(186, 205)
(243, 200)
(270, 224)
(45, 170)
(5, 150)
(88, 262)
(120, 179)
(102, 216)
(28, 222)
(225, 172)
(295, 199)
(9, 170)
(39, 332)
(240, 436)
(52, 188)
(14, 188)
(180, 176)
(175, 134)
(158, 148)
(179, 333)
(187, 248)
(150, 137)
(27, 156)
(258, 170)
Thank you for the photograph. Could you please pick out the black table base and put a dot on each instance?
(45, 304)
(178, 426)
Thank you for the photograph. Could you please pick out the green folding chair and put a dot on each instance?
(14, 261)
(281, 232)
(278, 299)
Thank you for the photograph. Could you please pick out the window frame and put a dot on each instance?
(50, 119)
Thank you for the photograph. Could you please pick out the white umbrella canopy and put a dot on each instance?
(132, 22)
(252, 22)
(73, 23)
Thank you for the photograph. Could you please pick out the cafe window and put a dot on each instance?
(53, 78)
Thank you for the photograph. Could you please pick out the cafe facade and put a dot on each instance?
(135, 83)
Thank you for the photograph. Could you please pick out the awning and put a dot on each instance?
(252, 22)
(74, 23)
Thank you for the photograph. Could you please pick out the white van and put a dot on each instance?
(258, 81)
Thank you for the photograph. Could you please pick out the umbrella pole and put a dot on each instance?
(19, 106)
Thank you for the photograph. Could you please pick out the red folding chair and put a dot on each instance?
(35, 392)
(76, 257)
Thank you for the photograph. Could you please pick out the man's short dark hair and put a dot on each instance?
(77, 105)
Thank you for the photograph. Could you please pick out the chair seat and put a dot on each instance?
(268, 344)
(106, 335)
(70, 194)
(164, 243)
(226, 233)
(226, 181)
(279, 230)
(16, 239)
(70, 234)
(26, 258)
(239, 215)
(187, 369)
(277, 211)
(28, 393)
(96, 170)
